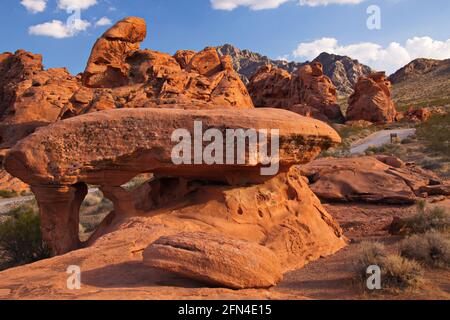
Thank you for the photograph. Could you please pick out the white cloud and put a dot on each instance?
(272, 4)
(388, 59)
(252, 4)
(71, 5)
(105, 21)
(315, 3)
(59, 30)
(34, 6)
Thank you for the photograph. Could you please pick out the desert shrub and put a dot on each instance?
(431, 164)
(21, 239)
(436, 133)
(8, 194)
(407, 140)
(397, 272)
(92, 199)
(432, 248)
(437, 219)
(392, 149)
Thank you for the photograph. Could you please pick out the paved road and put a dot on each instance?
(7, 205)
(379, 139)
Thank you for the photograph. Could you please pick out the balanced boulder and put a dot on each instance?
(110, 148)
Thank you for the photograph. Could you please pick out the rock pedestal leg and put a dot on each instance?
(60, 215)
(124, 201)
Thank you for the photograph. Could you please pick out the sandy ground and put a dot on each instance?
(331, 277)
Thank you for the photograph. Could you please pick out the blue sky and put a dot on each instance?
(289, 29)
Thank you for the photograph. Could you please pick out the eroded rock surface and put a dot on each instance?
(215, 259)
(372, 100)
(274, 87)
(147, 78)
(31, 97)
(110, 148)
(118, 75)
(368, 179)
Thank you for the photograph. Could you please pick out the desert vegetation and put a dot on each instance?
(20, 237)
(20, 234)
(397, 272)
(425, 244)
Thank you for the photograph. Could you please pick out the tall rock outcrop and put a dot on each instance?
(372, 100)
(108, 66)
(31, 97)
(147, 78)
(306, 91)
(118, 75)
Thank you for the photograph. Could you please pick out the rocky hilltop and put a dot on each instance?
(246, 62)
(343, 71)
(422, 82)
(306, 91)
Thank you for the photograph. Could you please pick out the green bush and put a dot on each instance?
(21, 239)
(8, 194)
(436, 134)
(397, 273)
(432, 248)
(437, 219)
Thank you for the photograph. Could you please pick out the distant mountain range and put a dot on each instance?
(343, 71)
(422, 82)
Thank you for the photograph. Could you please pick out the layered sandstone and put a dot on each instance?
(308, 86)
(372, 100)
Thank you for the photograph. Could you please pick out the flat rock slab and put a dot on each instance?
(367, 179)
(112, 147)
(215, 259)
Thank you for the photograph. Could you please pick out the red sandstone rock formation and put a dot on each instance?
(110, 148)
(146, 78)
(29, 96)
(216, 259)
(308, 87)
(281, 215)
(9, 183)
(372, 100)
(107, 66)
(118, 75)
(368, 179)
